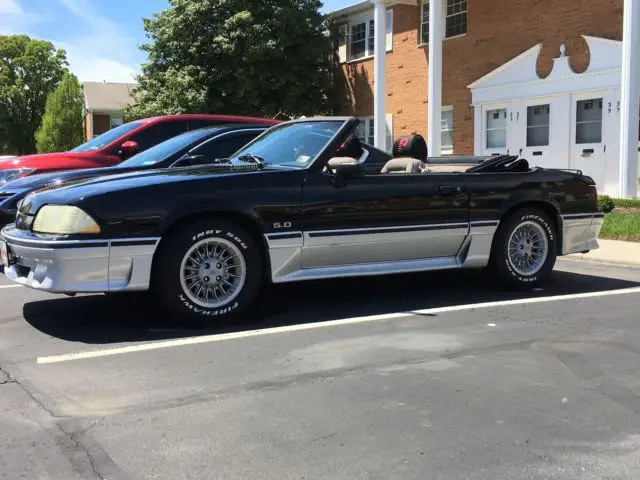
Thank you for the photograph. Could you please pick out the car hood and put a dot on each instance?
(36, 161)
(73, 191)
(58, 178)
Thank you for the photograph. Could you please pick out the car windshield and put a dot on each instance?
(164, 150)
(106, 138)
(293, 144)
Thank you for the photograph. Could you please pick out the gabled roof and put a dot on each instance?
(518, 78)
(107, 96)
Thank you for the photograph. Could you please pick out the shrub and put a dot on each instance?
(605, 204)
(626, 203)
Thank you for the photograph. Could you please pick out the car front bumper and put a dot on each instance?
(78, 266)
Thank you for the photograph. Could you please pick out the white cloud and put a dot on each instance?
(98, 49)
(89, 67)
(105, 55)
(10, 7)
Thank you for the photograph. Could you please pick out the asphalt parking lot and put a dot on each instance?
(431, 376)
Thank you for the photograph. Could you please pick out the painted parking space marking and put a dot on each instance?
(311, 326)
(10, 286)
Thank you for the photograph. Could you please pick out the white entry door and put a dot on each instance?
(587, 152)
(538, 133)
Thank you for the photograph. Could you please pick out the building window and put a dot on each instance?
(455, 19)
(425, 22)
(116, 121)
(589, 121)
(538, 118)
(366, 131)
(497, 128)
(447, 131)
(358, 41)
(356, 38)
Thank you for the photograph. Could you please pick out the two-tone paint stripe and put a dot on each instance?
(581, 216)
(69, 244)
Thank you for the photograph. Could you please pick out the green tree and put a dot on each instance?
(252, 57)
(29, 71)
(61, 127)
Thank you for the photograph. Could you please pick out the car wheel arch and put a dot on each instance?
(243, 220)
(548, 207)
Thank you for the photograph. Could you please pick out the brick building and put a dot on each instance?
(541, 78)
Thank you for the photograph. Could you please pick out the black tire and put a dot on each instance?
(500, 264)
(166, 282)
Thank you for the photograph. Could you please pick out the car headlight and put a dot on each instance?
(7, 176)
(64, 220)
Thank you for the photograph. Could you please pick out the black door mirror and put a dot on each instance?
(346, 172)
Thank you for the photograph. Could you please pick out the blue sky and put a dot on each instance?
(100, 36)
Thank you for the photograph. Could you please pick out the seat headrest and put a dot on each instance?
(413, 146)
(352, 147)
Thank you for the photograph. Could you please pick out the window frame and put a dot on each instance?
(446, 109)
(533, 127)
(422, 41)
(601, 102)
(368, 20)
(369, 127)
(486, 129)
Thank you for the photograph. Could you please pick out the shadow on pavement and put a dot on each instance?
(101, 319)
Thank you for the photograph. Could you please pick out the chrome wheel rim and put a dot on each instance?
(212, 272)
(528, 248)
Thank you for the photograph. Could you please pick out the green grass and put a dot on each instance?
(621, 226)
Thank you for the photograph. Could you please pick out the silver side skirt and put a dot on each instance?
(286, 253)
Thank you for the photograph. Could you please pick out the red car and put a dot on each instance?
(118, 144)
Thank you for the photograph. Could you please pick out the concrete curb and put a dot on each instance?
(612, 252)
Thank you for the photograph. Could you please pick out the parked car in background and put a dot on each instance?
(192, 148)
(117, 145)
(298, 203)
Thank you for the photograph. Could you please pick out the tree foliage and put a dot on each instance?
(29, 71)
(61, 128)
(252, 57)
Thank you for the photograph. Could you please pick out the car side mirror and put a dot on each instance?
(128, 149)
(347, 171)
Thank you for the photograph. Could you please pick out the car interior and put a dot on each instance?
(411, 155)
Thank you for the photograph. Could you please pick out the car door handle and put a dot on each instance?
(449, 189)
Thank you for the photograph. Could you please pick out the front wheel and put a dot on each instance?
(207, 272)
(525, 249)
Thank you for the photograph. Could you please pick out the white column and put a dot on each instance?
(630, 100)
(379, 74)
(435, 77)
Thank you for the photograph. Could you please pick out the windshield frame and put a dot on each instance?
(132, 126)
(348, 125)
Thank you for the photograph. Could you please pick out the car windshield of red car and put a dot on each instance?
(106, 138)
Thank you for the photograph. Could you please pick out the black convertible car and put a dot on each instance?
(299, 202)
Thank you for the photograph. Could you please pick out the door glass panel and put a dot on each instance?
(538, 117)
(589, 121)
(497, 128)
(447, 131)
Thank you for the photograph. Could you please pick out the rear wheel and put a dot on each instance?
(208, 272)
(524, 251)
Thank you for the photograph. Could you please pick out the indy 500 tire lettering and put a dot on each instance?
(207, 271)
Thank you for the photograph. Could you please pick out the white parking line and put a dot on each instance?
(311, 326)
(10, 286)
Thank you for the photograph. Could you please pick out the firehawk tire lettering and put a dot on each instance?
(166, 278)
(499, 263)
